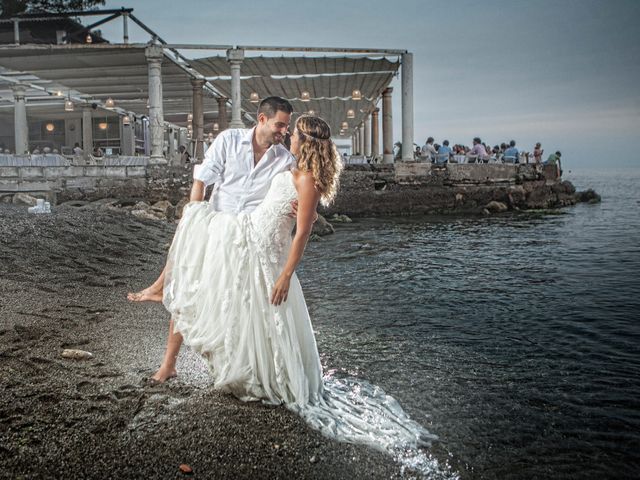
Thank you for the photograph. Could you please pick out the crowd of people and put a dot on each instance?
(479, 152)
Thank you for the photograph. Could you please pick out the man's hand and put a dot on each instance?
(294, 211)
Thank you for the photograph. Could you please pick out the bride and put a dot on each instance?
(231, 289)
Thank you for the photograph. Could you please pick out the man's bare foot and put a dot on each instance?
(163, 374)
(146, 295)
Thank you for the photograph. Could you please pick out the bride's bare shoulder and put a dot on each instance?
(305, 184)
(303, 179)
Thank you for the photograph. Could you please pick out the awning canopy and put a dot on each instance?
(93, 73)
(330, 82)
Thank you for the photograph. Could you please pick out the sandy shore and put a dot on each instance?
(63, 281)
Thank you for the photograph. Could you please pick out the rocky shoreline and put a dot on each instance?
(63, 281)
(403, 188)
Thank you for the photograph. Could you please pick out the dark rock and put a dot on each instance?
(128, 202)
(180, 206)
(74, 203)
(589, 196)
(337, 218)
(496, 207)
(24, 199)
(164, 209)
(321, 227)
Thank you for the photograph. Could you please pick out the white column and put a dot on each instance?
(387, 127)
(222, 113)
(21, 125)
(407, 107)
(357, 137)
(235, 57)
(87, 130)
(361, 138)
(367, 136)
(125, 27)
(353, 144)
(16, 31)
(155, 56)
(198, 118)
(375, 134)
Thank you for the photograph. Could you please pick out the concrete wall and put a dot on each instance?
(73, 182)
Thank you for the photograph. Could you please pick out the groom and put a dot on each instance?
(240, 164)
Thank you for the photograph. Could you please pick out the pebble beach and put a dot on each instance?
(63, 283)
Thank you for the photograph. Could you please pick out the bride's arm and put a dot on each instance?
(308, 198)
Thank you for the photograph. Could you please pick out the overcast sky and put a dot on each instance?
(562, 72)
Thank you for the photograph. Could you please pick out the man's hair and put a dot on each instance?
(512, 143)
(271, 105)
(445, 143)
(477, 140)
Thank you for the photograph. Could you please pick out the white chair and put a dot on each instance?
(442, 158)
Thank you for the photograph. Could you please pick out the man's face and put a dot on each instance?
(275, 128)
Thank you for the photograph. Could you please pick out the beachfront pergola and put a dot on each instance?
(178, 96)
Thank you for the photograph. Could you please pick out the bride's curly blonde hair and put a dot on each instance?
(319, 155)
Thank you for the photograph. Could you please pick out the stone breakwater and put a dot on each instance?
(404, 188)
(421, 188)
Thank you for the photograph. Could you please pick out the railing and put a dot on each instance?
(45, 160)
(56, 160)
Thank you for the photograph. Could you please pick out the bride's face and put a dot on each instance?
(295, 143)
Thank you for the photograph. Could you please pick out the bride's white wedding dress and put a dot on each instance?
(220, 273)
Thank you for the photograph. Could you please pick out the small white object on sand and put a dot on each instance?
(76, 354)
(40, 207)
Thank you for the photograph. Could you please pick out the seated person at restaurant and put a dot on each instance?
(444, 153)
(511, 153)
(428, 150)
(477, 153)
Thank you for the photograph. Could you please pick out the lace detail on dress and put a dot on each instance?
(271, 221)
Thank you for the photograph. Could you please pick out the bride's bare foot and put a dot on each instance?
(147, 295)
(163, 374)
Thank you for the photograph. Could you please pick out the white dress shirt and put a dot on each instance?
(240, 185)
